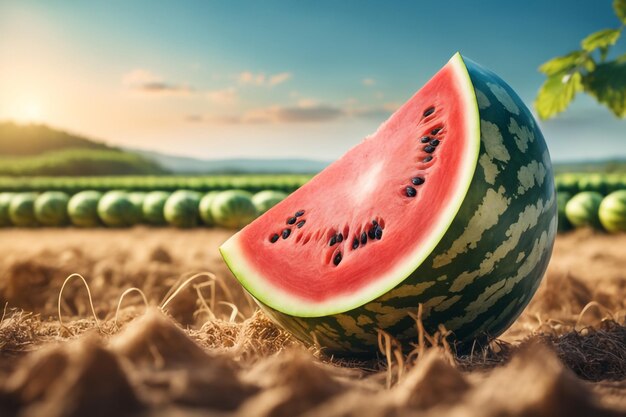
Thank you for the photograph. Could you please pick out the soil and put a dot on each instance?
(204, 349)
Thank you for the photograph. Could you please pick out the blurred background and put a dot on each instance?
(233, 85)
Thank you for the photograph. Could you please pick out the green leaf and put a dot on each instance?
(557, 93)
(620, 9)
(604, 52)
(600, 39)
(562, 63)
(608, 85)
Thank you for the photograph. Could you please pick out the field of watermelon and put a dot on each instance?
(75, 184)
(600, 201)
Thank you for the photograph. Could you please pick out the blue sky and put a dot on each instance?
(277, 78)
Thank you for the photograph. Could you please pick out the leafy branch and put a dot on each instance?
(587, 70)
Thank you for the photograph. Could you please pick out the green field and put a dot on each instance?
(72, 185)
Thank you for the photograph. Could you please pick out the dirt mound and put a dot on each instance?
(187, 342)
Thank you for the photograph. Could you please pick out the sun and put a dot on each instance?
(28, 111)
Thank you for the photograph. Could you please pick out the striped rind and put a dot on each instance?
(205, 208)
(486, 267)
(612, 212)
(582, 209)
(181, 208)
(116, 210)
(83, 208)
(153, 206)
(265, 200)
(51, 208)
(5, 201)
(233, 209)
(22, 210)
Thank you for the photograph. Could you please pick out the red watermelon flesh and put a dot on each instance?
(365, 223)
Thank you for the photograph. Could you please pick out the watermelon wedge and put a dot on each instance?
(450, 204)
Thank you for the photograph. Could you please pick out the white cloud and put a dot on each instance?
(279, 78)
(149, 83)
(261, 79)
(224, 96)
(369, 81)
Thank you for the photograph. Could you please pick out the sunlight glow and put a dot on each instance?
(28, 111)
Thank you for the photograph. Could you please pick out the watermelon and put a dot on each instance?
(612, 212)
(205, 208)
(265, 200)
(449, 204)
(5, 201)
(582, 209)
(22, 210)
(137, 198)
(153, 205)
(51, 208)
(181, 208)
(562, 198)
(233, 209)
(83, 208)
(116, 210)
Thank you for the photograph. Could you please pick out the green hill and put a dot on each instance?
(28, 150)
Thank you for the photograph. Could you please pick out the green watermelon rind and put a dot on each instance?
(181, 209)
(233, 209)
(474, 289)
(153, 207)
(136, 198)
(51, 209)
(612, 212)
(22, 210)
(83, 209)
(265, 200)
(116, 210)
(5, 201)
(582, 209)
(205, 208)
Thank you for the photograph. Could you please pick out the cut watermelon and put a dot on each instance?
(451, 204)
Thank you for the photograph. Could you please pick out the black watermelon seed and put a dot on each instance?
(299, 213)
(300, 223)
(337, 258)
(410, 192)
(434, 142)
(429, 149)
(374, 222)
(339, 238)
(274, 238)
(417, 181)
(378, 233)
(371, 234)
(286, 233)
(428, 159)
(291, 220)
(363, 238)
(332, 241)
(429, 111)
(355, 243)
(425, 139)
(435, 130)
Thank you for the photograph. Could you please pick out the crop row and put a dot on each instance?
(592, 209)
(73, 185)
(182, 208)
(604, 184)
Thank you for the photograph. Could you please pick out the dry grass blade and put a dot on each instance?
(126, 292)
(93, 310)
(184, 284)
